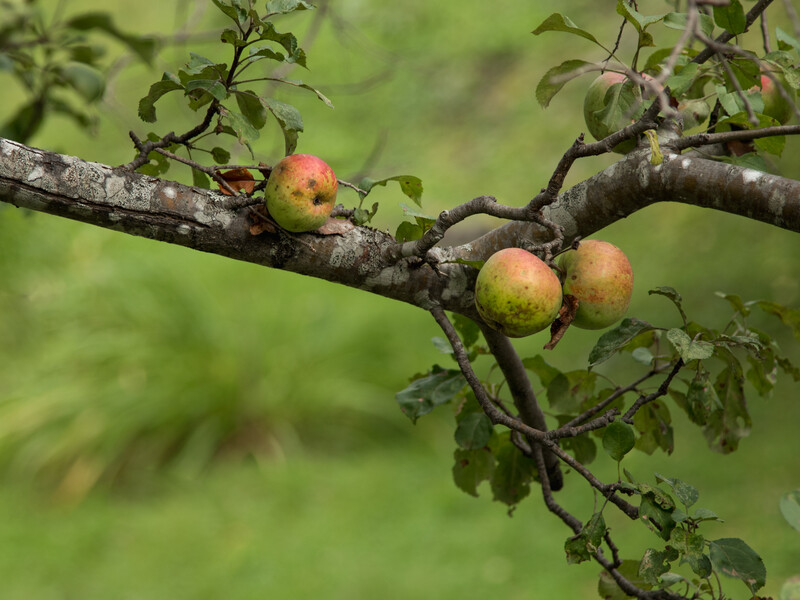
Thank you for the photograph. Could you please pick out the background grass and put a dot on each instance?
(109, 342)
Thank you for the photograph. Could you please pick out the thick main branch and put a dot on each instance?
(361, 257)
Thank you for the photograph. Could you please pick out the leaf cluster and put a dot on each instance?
(234, 99)
(727, 78)
(704, 371)
(59, 63)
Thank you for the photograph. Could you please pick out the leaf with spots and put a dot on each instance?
(427, 392)
(411, 186)
(471, 468)
(511, 480)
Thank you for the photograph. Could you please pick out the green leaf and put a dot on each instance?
(731, 423)
(656, 509)
(556, 78)
(143, 47)
(789, 317)
(84, 79)
(442, 345)
(245, 131)
(200, 65)
(751, 160)
(790, 590)
(289, 120)
(408, 232)
(294, 52)
(582, 446)
(734, 558)
(687, 494)
(558, 22)
(568, 391)
(786, 41)
(411, 186)
(691, 546)
(673, 295)
(580, 548)
(473, 431)
(688, 348)
(235, 13)
(654, 424)
(282, 7)
(790, 508)
(736, 302)
(608, 589)
(618, 439)
(220, 155)
(699, 400)
(200, 179)
(258, 53)
(513, 474)
(655, 563)
(679, 21)
(231, 36)
(731, 17)
(213, 86)
(475, 264)
(539, 366)
(614, 340)
(471, 468)
(643, 355)
(760, 378)
(423, 220)
(704, 514)
(639, 21)
(466, 328)
(426, 393)
(681, 81)
(251, 107)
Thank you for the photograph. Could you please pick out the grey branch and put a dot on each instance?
(361, 257)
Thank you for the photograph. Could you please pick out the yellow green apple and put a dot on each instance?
(301, 192)
(516, 293)
(600, 277)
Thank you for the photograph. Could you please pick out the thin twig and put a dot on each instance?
(661, 391)
(740, 135)
(765, 33)
(726, 36)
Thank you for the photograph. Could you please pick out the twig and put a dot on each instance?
(728, 49)
(620, 391)
(765, 33)
(685, 39)
(740, 135)
(522, 393)
(792, 14)
(607, 489)
(496, 416)
(726, 36)
(661, 391)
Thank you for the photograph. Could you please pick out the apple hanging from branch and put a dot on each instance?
(301, 192)
(600, 277)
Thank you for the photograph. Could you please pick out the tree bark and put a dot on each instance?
(359, 256)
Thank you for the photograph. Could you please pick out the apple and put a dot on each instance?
(775, 105)
(595, 102)
(516, 293)
(301, 192)
(599, 275)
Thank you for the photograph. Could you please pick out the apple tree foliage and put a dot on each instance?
(501, 435)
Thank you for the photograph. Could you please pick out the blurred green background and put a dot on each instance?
(178, 425)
